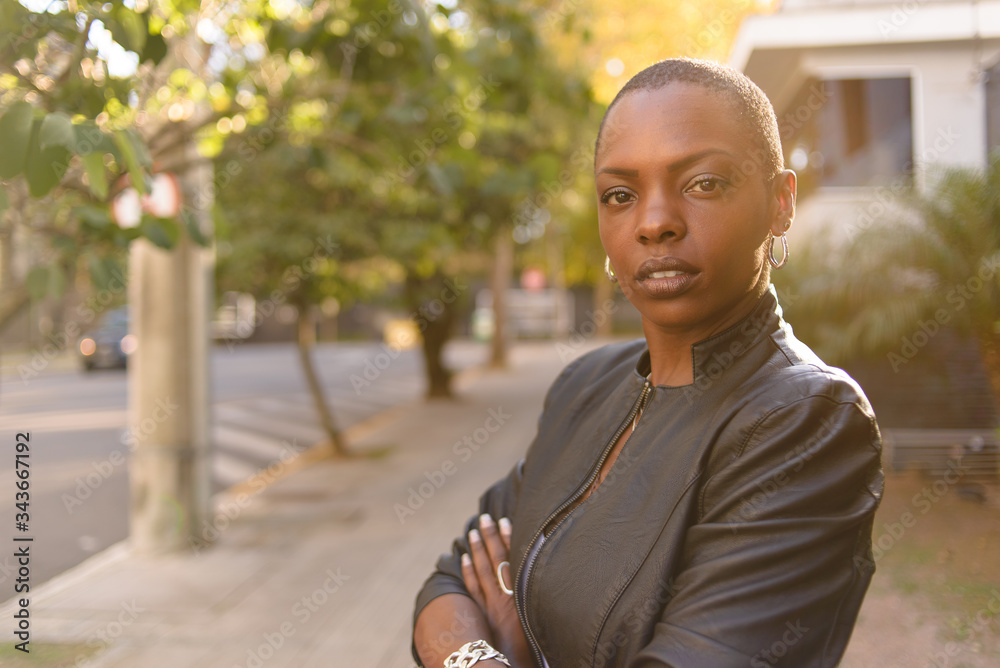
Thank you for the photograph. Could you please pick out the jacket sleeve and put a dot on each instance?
(499, 501)
(779, 558)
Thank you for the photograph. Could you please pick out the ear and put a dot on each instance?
(783, 200)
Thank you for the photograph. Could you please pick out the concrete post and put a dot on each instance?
(170, 298)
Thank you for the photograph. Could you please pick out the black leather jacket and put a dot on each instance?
(734, 529)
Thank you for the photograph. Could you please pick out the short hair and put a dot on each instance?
(749, 100)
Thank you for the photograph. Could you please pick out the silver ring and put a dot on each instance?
(503, 587)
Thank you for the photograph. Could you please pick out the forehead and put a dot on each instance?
(678, 118)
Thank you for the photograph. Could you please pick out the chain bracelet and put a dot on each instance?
(472, 653)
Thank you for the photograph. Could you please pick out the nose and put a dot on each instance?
(660, 220)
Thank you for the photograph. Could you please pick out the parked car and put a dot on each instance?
(109, 344)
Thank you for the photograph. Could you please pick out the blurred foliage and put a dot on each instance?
(614, 42)
(896, 282)
(414, 131)
(405, 140)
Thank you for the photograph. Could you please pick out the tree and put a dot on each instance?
(97, 97)
(439, 123)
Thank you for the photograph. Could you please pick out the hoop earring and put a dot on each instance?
(608, 271)
(784, 257)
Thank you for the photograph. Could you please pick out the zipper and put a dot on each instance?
(532, 551)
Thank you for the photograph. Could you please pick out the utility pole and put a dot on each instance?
(170, 303)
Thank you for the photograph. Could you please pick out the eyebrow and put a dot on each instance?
(673, 167)
(618, 172)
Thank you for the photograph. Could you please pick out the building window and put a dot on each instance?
(850, 132)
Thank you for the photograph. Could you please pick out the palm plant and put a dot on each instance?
(893, 286)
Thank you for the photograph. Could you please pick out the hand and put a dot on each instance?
(488, 549)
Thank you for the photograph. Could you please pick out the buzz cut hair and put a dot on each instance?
(746, 98)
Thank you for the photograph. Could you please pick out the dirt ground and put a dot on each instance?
(935, 598)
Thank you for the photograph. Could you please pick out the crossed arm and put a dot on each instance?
(488, 613)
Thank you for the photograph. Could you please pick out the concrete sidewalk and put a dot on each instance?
(318, 568)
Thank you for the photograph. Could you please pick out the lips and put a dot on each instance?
(664, 267)
(666, 276)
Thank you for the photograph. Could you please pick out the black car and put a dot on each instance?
(110, 344)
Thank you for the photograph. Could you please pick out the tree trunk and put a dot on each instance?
(306, 339)
(434, 318)
(503, 265)
(435, 337)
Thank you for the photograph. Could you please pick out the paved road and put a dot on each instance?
(77, 422)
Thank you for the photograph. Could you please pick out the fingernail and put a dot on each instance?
(485, 520)
(505, 525)
(466, 559)
(474, 536)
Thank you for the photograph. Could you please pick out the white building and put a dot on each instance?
(871, 95)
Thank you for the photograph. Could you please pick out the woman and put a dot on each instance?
(702, 497)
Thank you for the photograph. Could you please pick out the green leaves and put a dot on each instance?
(15, 132)
(128, 28)
(57, 130)
(194, 229)
(44, 167)
(41, 148)
(126, 143)
(156, 49)
(93, 165)
(164, 233)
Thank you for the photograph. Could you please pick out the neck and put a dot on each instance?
(670, 359)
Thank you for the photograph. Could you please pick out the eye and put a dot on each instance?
(617, 196)
(706, 184)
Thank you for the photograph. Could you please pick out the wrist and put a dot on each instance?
(475, 653)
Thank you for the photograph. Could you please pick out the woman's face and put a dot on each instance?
(685, 208)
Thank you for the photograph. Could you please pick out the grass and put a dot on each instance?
(948, 558)
(46, 655)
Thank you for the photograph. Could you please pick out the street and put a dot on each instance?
(79, 440)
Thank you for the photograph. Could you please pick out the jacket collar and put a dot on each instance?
(720, 350)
